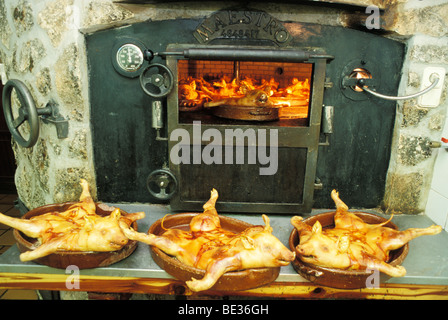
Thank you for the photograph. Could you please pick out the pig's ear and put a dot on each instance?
(266, 222)
(115, 215)
(343, 244)
(317, 227)
(248, 242)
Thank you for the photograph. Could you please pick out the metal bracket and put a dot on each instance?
(443, 143)
(50, 114)
(157, 119)
(327, 123)
(353, 82)
(318, 185)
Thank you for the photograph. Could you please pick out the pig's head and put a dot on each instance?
(105, 234)
(272, 252)
(317, 248)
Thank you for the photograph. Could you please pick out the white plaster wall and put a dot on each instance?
(437, 205)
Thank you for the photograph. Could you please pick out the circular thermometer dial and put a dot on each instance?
(130, 57)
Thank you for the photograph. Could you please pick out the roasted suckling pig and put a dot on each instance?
(353, 244)
(253, 98)
(77, 229)
(209, 247)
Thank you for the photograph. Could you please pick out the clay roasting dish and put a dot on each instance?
(63, 259)
(234, 280)
(339, 278)
(233, 254)
(343, 249)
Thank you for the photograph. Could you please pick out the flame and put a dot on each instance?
(197, 91)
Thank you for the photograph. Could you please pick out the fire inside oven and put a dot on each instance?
(244, 90)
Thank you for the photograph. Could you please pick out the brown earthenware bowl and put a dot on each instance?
(339, 278)
(63, 259)
(235, 280)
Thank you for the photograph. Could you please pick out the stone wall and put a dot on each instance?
(425, 27)
(42, 44)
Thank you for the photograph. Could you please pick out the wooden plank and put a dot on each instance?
(88, 283)
(290, 290)
(386, 291)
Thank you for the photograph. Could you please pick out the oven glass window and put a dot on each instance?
(228, 92)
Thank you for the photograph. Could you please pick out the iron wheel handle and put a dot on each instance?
(435, 80)
(27, 112)
(164, 180)
(157, 80)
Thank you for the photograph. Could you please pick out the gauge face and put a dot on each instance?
(129, 57)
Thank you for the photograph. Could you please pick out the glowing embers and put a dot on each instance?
(359, 73)
(284, 86)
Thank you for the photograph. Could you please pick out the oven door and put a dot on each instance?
(255, 164)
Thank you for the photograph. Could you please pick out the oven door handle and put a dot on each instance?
(242, 54)
(434, 77)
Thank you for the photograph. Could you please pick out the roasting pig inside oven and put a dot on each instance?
(245, 90)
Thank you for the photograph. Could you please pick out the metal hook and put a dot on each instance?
(434, 80)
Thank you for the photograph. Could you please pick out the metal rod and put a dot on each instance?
(244, 54)
(414, 95)
(236, 71)
(45, 111)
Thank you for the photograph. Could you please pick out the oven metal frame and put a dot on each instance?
(289, 137)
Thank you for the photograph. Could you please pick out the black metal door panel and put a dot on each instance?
(355, 162)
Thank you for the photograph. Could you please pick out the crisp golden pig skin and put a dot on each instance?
(209, 247)
(352, 243)
(77, 229)
(253, 98)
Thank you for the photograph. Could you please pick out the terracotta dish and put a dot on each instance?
(338, 278)
(63, 259)
(235, 280)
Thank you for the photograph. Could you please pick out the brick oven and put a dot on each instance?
(117, 149)
(309, 157)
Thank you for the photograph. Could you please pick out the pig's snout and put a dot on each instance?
(286, 256)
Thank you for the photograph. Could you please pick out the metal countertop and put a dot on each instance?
(426, 262)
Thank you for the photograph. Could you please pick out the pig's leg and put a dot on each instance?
(214, 271)
(163, 243)
(86, 199)
(396, 239)
(43, 250)
(393, 271)
(340, 205)
(210, 204)
(298, 223)
(31, 229)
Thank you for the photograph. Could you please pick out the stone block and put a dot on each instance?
(105, 13)
(5, 29)
(412, 114)
(403, 194)
(67, 187)
(429, 20)
(23, 17)
(413, 149)
(68, 77)
(53, 19)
